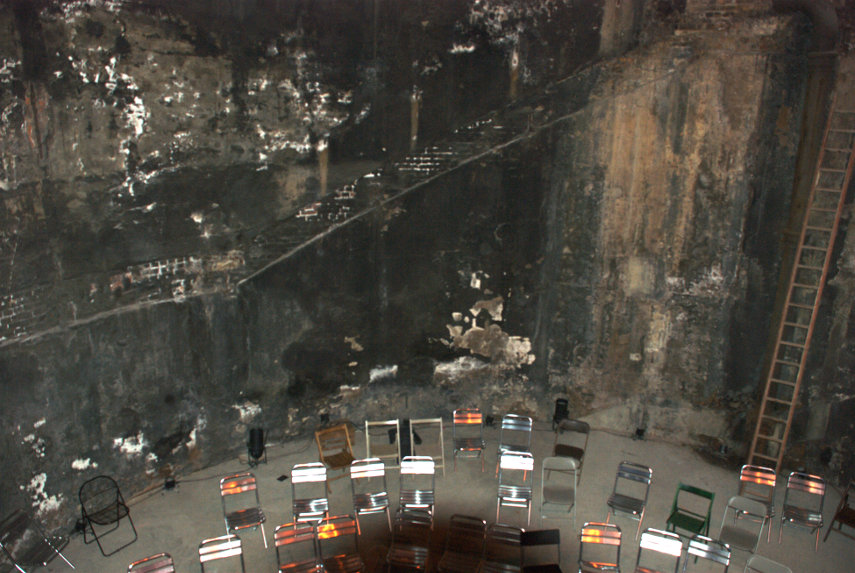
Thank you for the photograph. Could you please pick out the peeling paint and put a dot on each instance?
(493, 306)
(248, 411)
(81, 464)
(132, 446)
(354, 345)
(39, 423)
(42, 502)
(383, 372)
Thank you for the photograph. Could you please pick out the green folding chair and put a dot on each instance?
(690, 510)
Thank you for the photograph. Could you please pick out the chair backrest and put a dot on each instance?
(335, 449)
(758, 482)
(239, 491)
(503, 549)
(159, 563)
(633, 480)
(99, 493)
(571, 439)
(337, 535)
(805, 491)
(466, 422)
(600, 543)
(296, 544)
(383, 440)
(664, 545)
(534, 539)
(515, 473)
(703, 547)
(309, 491)
(417, 482)
(368, 484)
(760, 564)
(410, 540)
(691, 509)
(515, 433)
(844, 515)
(227, 547)
(466, 533)
(427, 439)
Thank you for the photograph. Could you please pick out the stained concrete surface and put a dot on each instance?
(176, 520)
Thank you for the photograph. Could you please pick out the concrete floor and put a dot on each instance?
(176, 520)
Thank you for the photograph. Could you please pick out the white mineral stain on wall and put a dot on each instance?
(38, 444)
(132, 446)
(710, 284)
(247, 411)
(39, 423)
(381, 372)
(354, 345)
(42, 502)
(81, 464)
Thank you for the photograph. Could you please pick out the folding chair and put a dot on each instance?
(558, 483)
(426, 439)
(710, 550)
(514, 435)
(383, 440)
(467, 431)
(241, 506)
(309, 501)
(335, 449)
(690, 510)
(516, 471)
(226, 548)
(159, 563)
(658, 552)
(103, 505)
(503, 550)
(744, 510)
(760, 564)
(844, 515)
(464, 544)
(599, 548)
(629, 495)
(368, 485)
(417, 483)
(758, 483)
(338, 544)
(25, 543)
(534, 560)
(410, 541)
(571, 440)
(296, 548)
(803, 500)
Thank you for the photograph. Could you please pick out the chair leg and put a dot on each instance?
(263, 536)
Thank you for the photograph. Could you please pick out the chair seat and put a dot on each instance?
(311, 506)
(468, 444)
(738, 538)
(249, 517)
(551, 568)
(510, 492)
(687, 522)
(417, 498)
(306, 566)
(558, 494)
(802, 516)
(108, 515)
(339, 460)
(626, 504)
(594, 567)
(351, 563)
(568, 451)
(648, 570)
(41, 554)
(499, 567)
(456, 562)
(514, 448)
(412, 556)
(368, 502)
(846, 516)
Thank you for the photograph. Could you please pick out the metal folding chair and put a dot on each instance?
(368, 485)
(103, 506)
(464, 544)
(747, 519)
(758, 483)
(514, 435)
(630, 492)
(844, 515)
(383, 440)
(226, 548)
(426, 439)
(417, 483)
(571, 441)
(760, 564)
(599, 548)
(658, 552)
(338, 544)
(558, 482)
(25, 543)
(410, 541)
(803, 500)
(241, 506)
(309, 501)
(159, 563)
(516, 471)
(467, 431)
(296, 548)
(502, 550)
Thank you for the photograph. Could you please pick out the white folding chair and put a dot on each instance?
(426, 439)
(383, 440)
(309, 500)
(226, 548)
(516, 471)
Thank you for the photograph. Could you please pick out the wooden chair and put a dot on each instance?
(335, 449)
(844, 515)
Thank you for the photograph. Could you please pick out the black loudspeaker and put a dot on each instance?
(562, 411)
(255, 447)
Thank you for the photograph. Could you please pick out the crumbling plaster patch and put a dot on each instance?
(42, 502)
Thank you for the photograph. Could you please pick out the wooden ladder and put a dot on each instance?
(804, 292)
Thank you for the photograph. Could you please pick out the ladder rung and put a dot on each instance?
(809, 267)
(770, 438)
(778, 400)
(823, 209)
(788, 362)
(813, 248)
(783, 382)
(803, 285)
(841, 130)
(821, 229)
(832, 169)
(838, 149)
(828, 189)
(792, 344)
(796, 325)
(764, 456)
